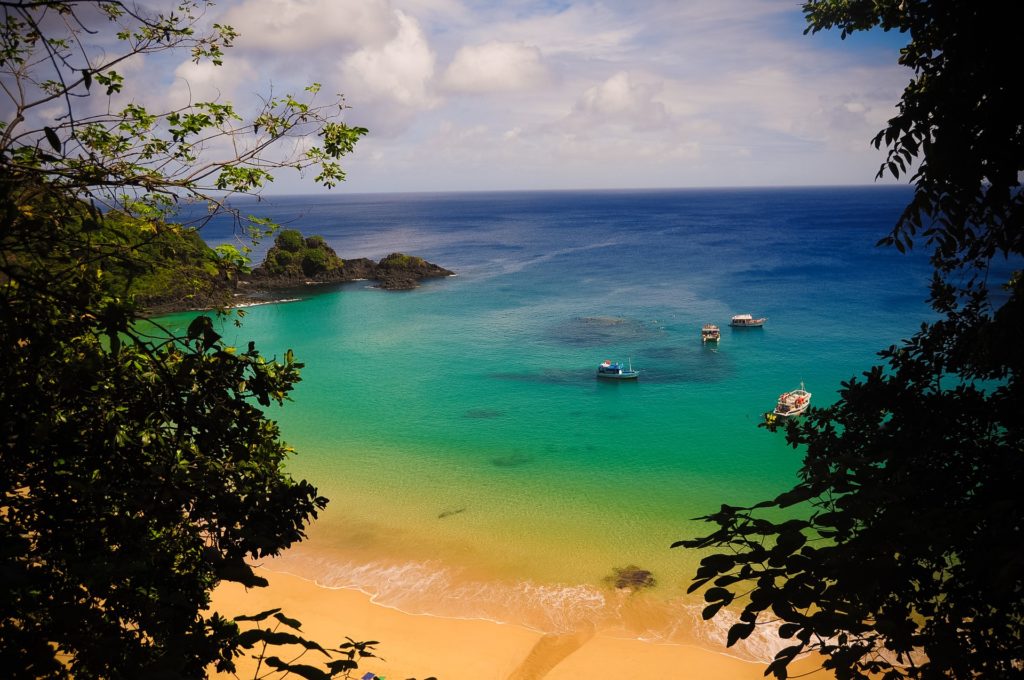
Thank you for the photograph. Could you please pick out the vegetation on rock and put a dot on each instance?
(402, 261)
(292, 256)
(294, 259)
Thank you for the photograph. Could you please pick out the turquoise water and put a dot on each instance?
(475, 465)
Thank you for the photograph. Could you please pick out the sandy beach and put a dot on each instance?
(413, 646)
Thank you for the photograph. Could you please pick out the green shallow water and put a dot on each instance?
(475, 465)
(469, 477)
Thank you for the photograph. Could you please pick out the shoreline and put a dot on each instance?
(424, 645)
(274, 294)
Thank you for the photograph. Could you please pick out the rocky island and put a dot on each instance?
(194, 280)
(295, 261)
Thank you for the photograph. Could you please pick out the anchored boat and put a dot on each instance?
(710, 333)
(613, 370)
(793, 403)
(747, 321)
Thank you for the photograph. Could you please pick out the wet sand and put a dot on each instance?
(414, 646)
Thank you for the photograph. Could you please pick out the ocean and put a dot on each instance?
(475, 465)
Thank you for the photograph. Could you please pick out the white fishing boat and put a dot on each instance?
(710, 333)
(613, 370)
(747, 321)
(793, 403)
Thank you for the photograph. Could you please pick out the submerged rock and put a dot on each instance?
(601, 331)
(512, 460)
(630, 578)
(483, 413)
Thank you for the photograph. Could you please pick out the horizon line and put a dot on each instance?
(431, 192)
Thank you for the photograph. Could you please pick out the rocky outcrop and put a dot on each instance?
(191, 277)
(295, 262)
(387, 275)
(404, 272)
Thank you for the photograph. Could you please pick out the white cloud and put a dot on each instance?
(495, 67)
(586, 92)
(303, 25)
(399, 71)
(624, 100)
(205, 82)
(579, 29)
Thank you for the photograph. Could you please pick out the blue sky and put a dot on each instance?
(468, 95)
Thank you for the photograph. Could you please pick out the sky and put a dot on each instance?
(570, 94)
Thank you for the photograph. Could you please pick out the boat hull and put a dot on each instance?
(624, 375)
(609, 370)
(790, 412)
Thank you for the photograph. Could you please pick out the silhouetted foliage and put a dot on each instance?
(268, 631)
(138, 470)
(138, 467)
(897, 554)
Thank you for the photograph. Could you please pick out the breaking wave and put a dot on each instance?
(426, 588)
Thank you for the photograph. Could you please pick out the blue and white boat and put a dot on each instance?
(613, 370)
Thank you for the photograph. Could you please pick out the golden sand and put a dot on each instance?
(415, 646)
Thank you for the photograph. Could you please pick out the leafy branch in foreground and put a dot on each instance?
(271, 636)
(123, 150)
(139, 466)
(266, 632)
(896, 554)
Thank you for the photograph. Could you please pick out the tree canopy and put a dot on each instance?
(897, 552)
(138, 466)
